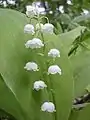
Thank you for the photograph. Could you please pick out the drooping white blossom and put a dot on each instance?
(31, 66)
(48, 107)
(54, 69)
(1, 2)
(85, 12)
(39, 26)
(40, 9)
(29, 28)
(39, 85)
(34, 43)
(4, 4)
(11, 2)
(54, 53)
(69, 2)
(32, 10)
(48, 28)
(61, 8)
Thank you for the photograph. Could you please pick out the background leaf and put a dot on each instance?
(8, 101)
(79, 62)
(81, 114)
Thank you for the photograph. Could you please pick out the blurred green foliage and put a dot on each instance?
(71, 18)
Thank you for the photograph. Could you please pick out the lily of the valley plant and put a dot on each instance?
(37, 43)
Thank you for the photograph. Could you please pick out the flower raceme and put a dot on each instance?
(31, 66)
(48, 107)
(29, 28)
(54, 53)
(39, 85)
(34, 43)
(54, 69)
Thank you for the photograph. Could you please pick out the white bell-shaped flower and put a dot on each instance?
(39, 26)
(39, 85)
(31, 66)
(54, 53)
(54, 69)
(11, 2)
(48, 107)
(29, 28)
(30, 11)
(48, 28)
(4, 4)
(34, 43)
(29, 8)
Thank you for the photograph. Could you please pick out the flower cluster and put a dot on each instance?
(6, 3)
(36, 43)
(31, 11)
(46, 28)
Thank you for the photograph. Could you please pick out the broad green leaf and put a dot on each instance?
(68, 37)
(65, 18)
(9, 103)
(81, 67)
(58, 29)
(13, 58)
(83, 114)
(88, 88)
(73, 115)
(81, 18)
(80, 61)
(61, 84)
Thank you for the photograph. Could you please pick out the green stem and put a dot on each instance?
(50, 85)
(34, 17)
(43, 42)
(42, 37)
(53, 98)
(51, 92)
(45, 18)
